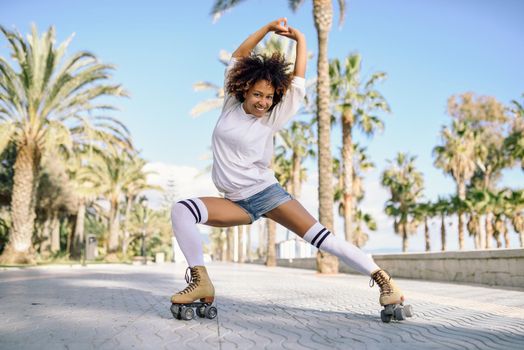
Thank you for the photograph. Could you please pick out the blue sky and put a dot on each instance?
(429, 49)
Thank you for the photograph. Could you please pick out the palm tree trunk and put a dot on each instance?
(323, 16)
(472, 229)
(69, 231)
(489, 229)
(20, 250)
(461, 230)
(477, 240)
(55, 233)
(426, 234)
(45, 244)
(230, 244)
(347, 161)
(262, 239)
(443, 232)
(241, 255)
(404, 238)
(113, 227)
(125, 241)
(248, 243)
(507, 241)
(295, 176)
(462, 196)
(498, 240)
(271, 259)
(78, 239)
(224, 253)
(482, 235)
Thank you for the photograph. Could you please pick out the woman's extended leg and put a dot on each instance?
(211, 211)
(296, 218)
(185, 215)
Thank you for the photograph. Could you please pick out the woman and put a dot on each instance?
(260, 97)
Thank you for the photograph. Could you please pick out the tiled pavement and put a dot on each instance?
(127, 307)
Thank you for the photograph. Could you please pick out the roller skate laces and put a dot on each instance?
(389, 292)
(199, 287)
(192, 280)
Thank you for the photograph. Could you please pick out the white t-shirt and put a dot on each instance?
(243, 144)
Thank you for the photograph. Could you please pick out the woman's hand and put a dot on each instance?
(291, 33)
(280, 25)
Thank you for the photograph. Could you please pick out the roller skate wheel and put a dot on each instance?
(389, 309)
(211, 312)
(201, 311)
(399, 314)
(386, 318)
(187, 313)
(175, 310)
(408, 309)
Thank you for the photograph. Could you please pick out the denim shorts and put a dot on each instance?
(266, 200)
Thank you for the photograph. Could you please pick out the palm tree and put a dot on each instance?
(132, 191)
(514, 143)
(297, 140)
(457, 156)
(362, 219)
(113, 175)
(360, 164)
(357, 101)
(502, 212)
(323, 18)
(477, 202)
(55, 199)
(488, 120)
(442, 208)
(516, 202)
(45, 102)
(148, 227)
(424, 211)
(405, 184)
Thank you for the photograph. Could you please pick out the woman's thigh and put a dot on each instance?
(293, 216)
(222, 212)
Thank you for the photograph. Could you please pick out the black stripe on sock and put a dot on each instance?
(198, 210)
(318, 235)
(322, 240)
(190, 209)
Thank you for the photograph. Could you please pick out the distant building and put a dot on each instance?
(295, 248)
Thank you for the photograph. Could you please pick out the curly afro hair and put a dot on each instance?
(251, 69)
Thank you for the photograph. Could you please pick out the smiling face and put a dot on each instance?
(259, 98)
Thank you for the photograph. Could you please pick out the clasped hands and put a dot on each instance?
(280, 27)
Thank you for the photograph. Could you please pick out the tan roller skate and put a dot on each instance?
(391, 297)
(198, 294)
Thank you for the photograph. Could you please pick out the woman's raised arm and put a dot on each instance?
(244, 50)
(301, 55)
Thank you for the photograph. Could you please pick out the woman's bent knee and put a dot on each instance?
(189, 209)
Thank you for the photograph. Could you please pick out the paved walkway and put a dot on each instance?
(127, 307)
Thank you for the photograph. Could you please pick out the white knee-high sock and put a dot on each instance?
(323, 239)
(184, 217)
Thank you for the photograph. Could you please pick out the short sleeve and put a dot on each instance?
(289, 105)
